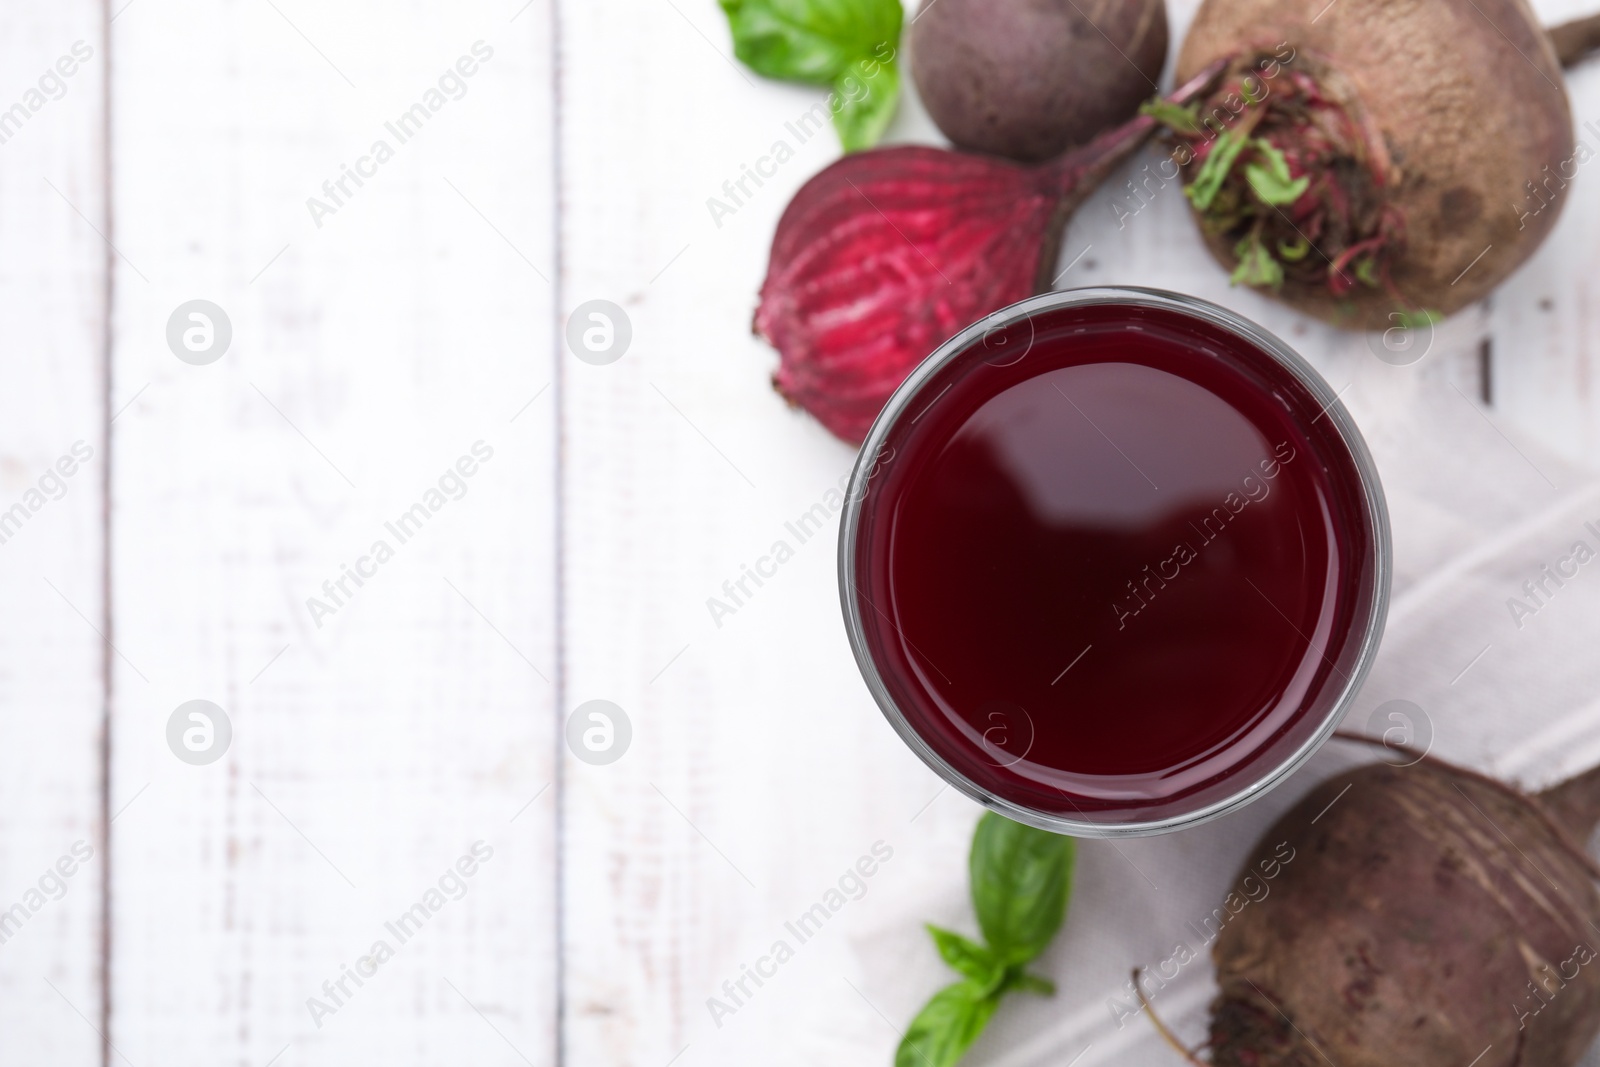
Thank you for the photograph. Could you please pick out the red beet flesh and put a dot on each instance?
(887, 253)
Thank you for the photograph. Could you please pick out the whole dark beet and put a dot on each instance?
(1027, 79)
(1429, 916)
(1435, 135)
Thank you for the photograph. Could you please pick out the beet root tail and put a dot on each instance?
(1575, 804)
(1575, 40)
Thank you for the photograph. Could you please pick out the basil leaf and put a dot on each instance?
(1020, 881)
(1027, 983)
(868, 91)
(969, 958)
(946, 1027)
(1215, 170)
(850, 45)
(811, 40)
(1256, 265)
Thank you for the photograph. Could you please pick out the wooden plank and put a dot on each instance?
(758, 770)
(386, 384)
(52, 527)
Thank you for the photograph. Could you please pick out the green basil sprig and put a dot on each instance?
(1021, 879)
(850, 45)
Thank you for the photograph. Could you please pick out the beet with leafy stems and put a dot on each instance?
(1409, 157)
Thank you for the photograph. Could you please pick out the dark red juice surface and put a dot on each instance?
(1108, 576)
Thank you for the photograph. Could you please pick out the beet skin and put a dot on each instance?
(1429, 917)
(1028, 79)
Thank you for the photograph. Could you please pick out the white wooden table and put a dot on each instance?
(376, 339)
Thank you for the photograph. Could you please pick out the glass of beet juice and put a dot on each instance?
(1114, 561)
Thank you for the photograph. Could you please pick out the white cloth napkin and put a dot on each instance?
(1477, 511)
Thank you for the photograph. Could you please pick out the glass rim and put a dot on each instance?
(1136, 296)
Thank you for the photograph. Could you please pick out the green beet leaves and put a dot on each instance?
(1270, 180)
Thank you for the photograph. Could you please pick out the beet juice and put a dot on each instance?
(1114, 561)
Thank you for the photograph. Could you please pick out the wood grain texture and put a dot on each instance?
(52, 698)
(376, 343)
(759, 770)
(370, 352)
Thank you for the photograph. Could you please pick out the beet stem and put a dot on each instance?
(1079, 171)
(1576, 39)
(1575, 803)
(1161, 1028)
